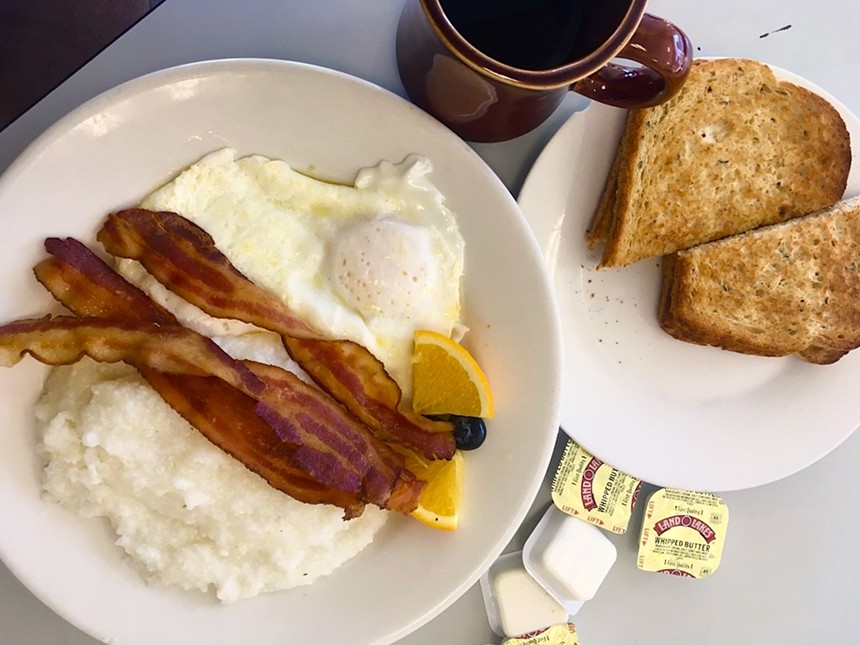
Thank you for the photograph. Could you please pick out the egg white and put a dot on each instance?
(371, 262)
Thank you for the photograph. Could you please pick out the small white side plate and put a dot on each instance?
(669, 412)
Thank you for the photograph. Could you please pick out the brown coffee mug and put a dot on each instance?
(492, 70)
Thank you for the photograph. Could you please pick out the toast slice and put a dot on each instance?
(601, 225)
(792, 287)
(735, 149)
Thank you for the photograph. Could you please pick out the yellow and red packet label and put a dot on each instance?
(683, 533)
(594, 491)
(562, 634)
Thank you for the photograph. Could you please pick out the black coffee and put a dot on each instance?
(535, 34)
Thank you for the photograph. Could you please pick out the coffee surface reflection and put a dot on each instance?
(535, 34)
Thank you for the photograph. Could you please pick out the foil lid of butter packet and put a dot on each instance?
(683, 533)
(594, 491)
(562, 634)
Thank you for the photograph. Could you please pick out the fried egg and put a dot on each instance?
(371, 262)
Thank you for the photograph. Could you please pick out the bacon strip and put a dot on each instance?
(226, 417)
(87, 286)
(312, 409)
(63, 340)
(345, 457)
(183, 257)
(344, 370)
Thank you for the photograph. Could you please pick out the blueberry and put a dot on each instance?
(469, 432)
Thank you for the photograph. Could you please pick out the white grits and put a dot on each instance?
(185, 512)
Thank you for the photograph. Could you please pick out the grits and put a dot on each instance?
(185, 512)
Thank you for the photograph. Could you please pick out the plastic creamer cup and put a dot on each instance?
(564, 634)
(683, 533)
(516, 604)
(568, 557)
(594, 491)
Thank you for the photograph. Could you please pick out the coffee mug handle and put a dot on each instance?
(665, 53)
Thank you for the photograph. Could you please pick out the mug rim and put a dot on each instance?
(550, 78)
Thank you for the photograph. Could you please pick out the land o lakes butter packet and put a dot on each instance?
(593, 491)
(683, 533)
(562, 634)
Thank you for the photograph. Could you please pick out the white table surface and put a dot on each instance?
(790, 567)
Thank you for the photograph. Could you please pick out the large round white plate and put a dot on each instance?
(669, 412)
(116, 148)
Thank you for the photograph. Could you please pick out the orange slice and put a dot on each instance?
(439, 505)
(446, 379)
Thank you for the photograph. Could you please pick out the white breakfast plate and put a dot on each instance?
(118, 147)
(668, 412)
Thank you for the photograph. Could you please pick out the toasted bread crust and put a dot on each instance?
(787, 288)
(734, 150)
(601, 225)
(822, 355)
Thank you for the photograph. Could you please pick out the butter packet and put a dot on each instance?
(562, 634)
(593, 491)
(683, 533)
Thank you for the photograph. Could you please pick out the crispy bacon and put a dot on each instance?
(82, 281)
(87, 286)
(313, 408)
(226, 417)
(338, 453)
(183, 257)
(63, 340)
(357, 379)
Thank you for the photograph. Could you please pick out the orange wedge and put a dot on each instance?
(446, 379)
(439, 505)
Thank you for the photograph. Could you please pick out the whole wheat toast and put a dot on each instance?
(734, 150)
(787, 288)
